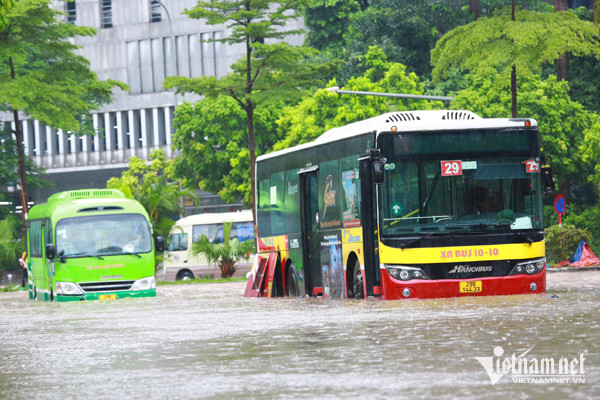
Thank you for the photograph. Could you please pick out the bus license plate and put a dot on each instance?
(471, 287)
(108, 297)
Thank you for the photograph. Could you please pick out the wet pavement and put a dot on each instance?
(207, 341)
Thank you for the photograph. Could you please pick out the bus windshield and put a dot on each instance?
(103, 235)
(466, 181)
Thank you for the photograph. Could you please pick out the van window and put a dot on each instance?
(178, 242)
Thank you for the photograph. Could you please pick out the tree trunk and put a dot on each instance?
(513, 90)
(475, 8)
(22, 175)
(251, 149)
(250, 117)
(227, 268)
(562, 64)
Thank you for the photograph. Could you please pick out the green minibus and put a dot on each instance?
(90, 244)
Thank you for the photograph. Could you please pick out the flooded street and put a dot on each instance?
(207, 341)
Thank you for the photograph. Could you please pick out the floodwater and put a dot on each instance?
(207, 341)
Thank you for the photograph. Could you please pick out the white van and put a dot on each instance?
(179, 264)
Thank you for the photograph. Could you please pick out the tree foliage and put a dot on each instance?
(225, 254)
(325, 110)
(53, 84)
(494, 44)
(567, 129)
(9, 162)
(327, 22)
(212, 138)
(149, 184)
(405, 30)
(11, 247)
(269, 72)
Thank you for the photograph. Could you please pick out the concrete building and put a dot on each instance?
(139, 42)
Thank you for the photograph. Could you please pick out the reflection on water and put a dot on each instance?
(207, 341)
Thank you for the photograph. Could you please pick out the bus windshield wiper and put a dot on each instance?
(133, 254)
(523, 238)
(84, 253)
(407, 243)
(519, 235)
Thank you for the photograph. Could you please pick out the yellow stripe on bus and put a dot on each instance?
(514, 251)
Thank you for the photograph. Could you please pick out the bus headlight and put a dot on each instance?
(405, 273)
(529, 267)
(144, 284)
(68, 289)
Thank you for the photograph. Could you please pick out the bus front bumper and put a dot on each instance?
(107, 295)
(490, 286)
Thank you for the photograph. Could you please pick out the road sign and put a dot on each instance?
(560, 205)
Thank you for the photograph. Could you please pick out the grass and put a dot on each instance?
(11, 288)
(201, 280)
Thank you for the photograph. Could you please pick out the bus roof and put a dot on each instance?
(409, 121)
(85, 202)
(214, 218)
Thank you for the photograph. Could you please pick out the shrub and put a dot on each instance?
(562, 241)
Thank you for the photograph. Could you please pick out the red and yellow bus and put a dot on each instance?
(419, 204)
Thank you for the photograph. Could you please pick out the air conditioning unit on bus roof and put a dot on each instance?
(449, 115)
(85, 193)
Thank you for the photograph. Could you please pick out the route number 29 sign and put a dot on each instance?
(452, 168)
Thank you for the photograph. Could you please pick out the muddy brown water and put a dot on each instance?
(207, 341)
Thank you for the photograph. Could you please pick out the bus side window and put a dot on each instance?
(35, 239)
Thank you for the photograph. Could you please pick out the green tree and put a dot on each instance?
(269, 72)
(212, 138)
(327, 22)
(149, 184)
(9, 164)
(325, 110)
(405, 30)
(41, 75)
(225, 254)
(567, 129)
(500, 45)
(11, 247)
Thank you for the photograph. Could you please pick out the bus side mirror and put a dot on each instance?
(379, 171)
(50, 252)
(160, 244)
(547, 178)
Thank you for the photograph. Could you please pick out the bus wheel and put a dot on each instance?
(358, 291)
(185, 276)
(290, 282)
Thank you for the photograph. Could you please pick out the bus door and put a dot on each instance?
(369, 225)
(38, 232)
(309, 212)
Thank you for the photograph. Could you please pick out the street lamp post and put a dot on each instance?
(336, 89)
